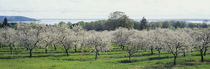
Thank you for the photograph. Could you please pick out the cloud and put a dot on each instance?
(102, 8)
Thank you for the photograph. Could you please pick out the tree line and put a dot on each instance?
(120, 19)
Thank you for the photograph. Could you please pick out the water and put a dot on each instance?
(56, 21)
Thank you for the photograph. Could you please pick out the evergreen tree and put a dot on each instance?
(204, 25)
(69, 24)
(166, 24)
(5, 22)
(143, 24)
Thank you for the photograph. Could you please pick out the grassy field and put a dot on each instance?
(116, 59)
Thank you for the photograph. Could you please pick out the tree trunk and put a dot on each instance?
(55, 47)
(129, 57)
(10, 47)
(75, 48)
(96, 57)
(206, 48)
(31, 52)
(175, 55)
(45, 50)
(175, 59)
(145, 50)
(152, 51)
(201, 51)
(123, 47)
(14, 46)
(159, 54)
(184, 54)
(98, 54)
(67, 52)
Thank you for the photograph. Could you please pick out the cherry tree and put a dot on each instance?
(84, 37)
(79, 33)
(120, 37)
(57, 32)
(8, 37)
(30, 35)
(190, 49)
(67, 38)
(135, 42)
(130, 41)
(156, 39)
(201, 41)
(176, 41)
(49, 38)
(99, 42)
(150, 40)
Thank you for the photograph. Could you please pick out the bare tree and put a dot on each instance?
(116, 15)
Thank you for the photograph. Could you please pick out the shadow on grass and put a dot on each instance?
(170, 65)
(4, 51)
(149, 59)
(153, 58)
(125, 56)
(37, 56)
(77, 59)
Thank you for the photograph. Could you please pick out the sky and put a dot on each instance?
(96, 9)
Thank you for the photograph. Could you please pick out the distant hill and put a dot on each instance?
(17, 18)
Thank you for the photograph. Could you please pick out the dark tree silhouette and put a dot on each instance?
(143, 24)
(5, 22)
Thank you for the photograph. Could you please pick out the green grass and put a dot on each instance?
(116, 59)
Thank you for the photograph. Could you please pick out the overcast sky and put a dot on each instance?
(102, 8)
